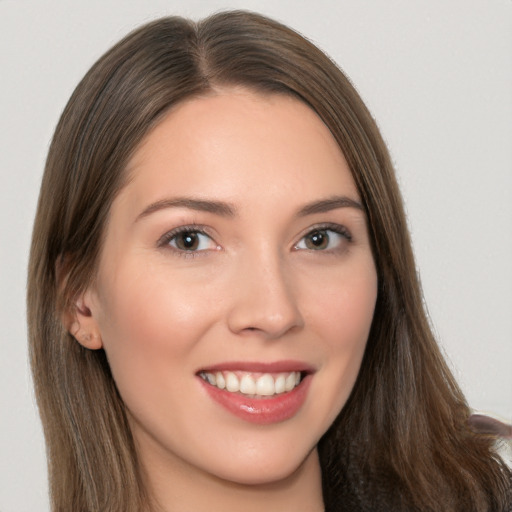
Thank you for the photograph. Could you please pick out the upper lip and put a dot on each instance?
(260, 367)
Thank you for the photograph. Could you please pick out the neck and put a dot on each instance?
(183, 489)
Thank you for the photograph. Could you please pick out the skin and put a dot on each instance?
(255, 290)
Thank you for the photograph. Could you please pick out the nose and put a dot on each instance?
(264, 300)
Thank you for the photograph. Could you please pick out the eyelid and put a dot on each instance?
(164, 240)
(339, 229)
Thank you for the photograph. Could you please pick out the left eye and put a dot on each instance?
(191, 241)
(321, 240)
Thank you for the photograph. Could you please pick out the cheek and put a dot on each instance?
(149, 323)
(342, 316)
(149, 304)
(342, 310)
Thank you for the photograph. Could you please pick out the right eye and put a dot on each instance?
(189, 240)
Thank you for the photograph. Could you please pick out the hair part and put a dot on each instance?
(401, 442)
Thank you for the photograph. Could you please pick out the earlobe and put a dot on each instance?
(88, 339)
(81, 324)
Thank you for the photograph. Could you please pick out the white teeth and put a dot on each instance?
(264, 385)
(280, 384)
(221, 382)
(247, 385)
(290, 382)
(232, 382)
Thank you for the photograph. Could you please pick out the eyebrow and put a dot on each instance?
(228, 210)
(202, 205)
(331, 203)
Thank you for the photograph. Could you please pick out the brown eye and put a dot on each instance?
(317, 240)
(191, 241)
(187, 241)
(325, 239)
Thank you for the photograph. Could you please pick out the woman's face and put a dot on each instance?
(236, 256)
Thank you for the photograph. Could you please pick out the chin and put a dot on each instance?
(269, 471)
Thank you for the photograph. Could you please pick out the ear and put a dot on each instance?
(81, 324)
(76, 316)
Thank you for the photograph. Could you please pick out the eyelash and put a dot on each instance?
(166, 239)
(326, 227)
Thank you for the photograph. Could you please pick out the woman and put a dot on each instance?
(223, 303)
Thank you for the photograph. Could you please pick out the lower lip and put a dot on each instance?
(262, 411)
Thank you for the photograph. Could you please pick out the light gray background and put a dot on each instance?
(436, 74)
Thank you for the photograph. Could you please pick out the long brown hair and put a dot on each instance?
(401, 442)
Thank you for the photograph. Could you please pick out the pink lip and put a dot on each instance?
(267, 410)
(258, 367)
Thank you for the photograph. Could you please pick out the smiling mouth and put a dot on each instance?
(253, 385)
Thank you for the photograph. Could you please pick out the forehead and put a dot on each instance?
(236, 142)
